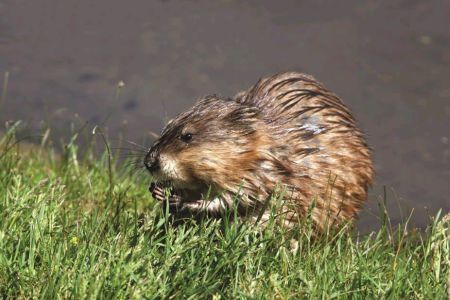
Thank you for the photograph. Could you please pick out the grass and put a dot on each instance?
(79, 226)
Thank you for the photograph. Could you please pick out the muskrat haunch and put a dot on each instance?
(286, 131)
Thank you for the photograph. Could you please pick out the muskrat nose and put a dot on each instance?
(151, 162)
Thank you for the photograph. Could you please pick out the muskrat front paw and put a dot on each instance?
(158, 192)
(175, 203)
(163, 194)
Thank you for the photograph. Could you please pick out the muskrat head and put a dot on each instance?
(206, 145)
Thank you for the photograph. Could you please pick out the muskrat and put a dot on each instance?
(287, 132)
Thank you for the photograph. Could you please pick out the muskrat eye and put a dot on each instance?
(187, 137)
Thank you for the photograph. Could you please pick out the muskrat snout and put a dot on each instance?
(151, 161)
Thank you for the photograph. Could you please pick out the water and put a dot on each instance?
(388, 60)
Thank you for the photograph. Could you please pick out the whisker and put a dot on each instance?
(132, 156)
(153, 134)
(134, 163)
(137, 145)
(130, 149)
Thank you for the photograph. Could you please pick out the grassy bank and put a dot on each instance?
(71, 228)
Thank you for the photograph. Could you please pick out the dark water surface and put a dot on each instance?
(388, 60)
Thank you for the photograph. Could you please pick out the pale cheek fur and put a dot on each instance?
(170, 168)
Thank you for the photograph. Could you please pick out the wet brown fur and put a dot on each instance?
(286, 133)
